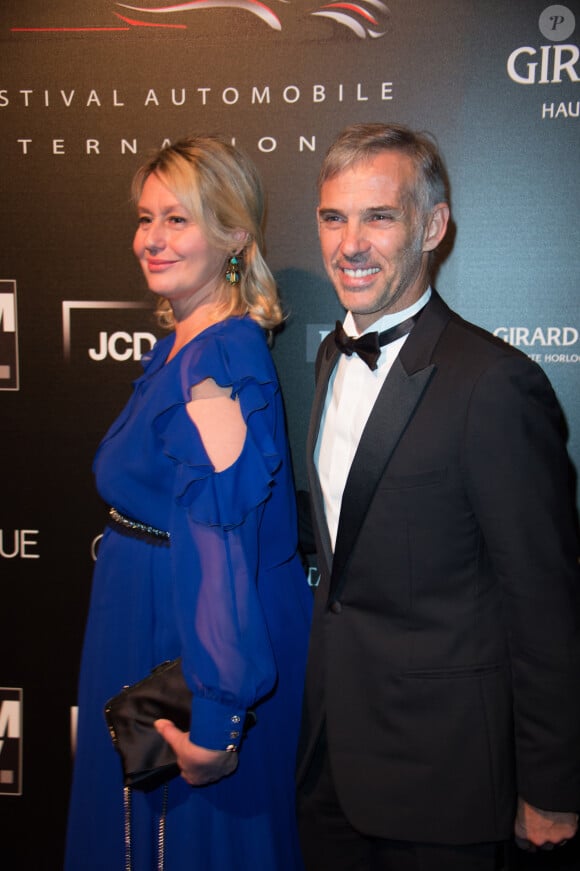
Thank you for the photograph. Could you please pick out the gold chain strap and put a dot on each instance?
(127, 809)
(160, 832)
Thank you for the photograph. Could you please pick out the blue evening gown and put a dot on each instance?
(229, 595)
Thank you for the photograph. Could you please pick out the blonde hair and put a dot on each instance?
(220, 187)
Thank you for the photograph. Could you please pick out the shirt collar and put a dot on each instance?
(387, 321)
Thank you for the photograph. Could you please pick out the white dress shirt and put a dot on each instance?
(352, 392)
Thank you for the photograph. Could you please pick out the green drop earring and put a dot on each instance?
(233, 273)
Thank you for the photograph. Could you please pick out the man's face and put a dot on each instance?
(374, 245)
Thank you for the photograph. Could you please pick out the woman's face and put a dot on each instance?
(178, 260)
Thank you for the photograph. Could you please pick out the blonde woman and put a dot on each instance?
(199, 558)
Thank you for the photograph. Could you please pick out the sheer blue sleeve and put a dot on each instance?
(216, 548)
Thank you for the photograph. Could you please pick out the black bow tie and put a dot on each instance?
(368, 346)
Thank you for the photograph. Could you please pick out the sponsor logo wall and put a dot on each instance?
(86, 90)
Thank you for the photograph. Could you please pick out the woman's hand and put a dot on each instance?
(199, 765)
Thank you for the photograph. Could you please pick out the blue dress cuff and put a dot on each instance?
(214, 725)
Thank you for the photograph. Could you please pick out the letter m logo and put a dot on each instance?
(8, 336)
(10, 741)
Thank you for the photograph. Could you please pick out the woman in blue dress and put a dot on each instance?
(199, 559)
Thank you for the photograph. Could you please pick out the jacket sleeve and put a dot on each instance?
(521, 487)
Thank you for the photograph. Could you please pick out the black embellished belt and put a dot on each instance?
(137, 529)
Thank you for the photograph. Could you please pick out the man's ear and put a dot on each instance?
(436, 226)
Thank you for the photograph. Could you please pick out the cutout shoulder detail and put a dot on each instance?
(210, 389)
(219, 421)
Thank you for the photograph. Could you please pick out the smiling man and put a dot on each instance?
(441, 706)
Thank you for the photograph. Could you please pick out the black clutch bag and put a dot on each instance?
(147, 759)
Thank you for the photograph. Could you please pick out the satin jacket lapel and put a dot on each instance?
(326, 363)
(394, 406)
(402, 391)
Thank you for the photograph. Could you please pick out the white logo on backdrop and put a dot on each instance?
(19, 544)
(95, 546)
(9, 367)
(10, 741)
(315, 334)
(554, 64)
(262, 96)
(533, 340)
(118, 345)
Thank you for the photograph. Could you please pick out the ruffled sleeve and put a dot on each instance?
(216, 530)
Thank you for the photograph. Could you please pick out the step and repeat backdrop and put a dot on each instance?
(87, 89)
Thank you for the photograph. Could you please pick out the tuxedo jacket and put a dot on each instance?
(445, 651)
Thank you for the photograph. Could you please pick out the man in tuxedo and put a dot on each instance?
(442, 699)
